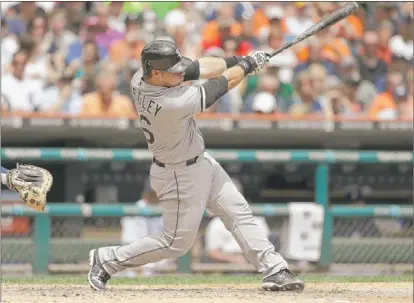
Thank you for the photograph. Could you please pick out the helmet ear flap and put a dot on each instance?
(148, 68)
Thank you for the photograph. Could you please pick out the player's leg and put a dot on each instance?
(229, 204)
(183, 201)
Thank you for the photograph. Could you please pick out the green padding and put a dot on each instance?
(369, 250)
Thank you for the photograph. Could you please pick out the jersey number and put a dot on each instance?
(150, 138)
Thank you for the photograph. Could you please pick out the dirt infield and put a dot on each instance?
(401, 292)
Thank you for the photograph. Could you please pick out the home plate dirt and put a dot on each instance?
(313, 293)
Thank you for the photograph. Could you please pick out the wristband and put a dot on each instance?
(232, 61)
(246, 66)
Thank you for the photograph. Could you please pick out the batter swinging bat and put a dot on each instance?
(326, 21)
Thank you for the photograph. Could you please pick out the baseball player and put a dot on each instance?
(185, 178)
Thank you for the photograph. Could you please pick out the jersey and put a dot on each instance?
(167, 119)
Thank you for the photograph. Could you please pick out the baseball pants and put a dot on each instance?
(185, 192)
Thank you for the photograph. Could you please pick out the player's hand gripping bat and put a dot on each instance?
(326, 21)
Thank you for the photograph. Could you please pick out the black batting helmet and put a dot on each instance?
(163, 55)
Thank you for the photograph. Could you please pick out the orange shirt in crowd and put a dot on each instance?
(120, 52)
(333, 51)
(384, 53)
(381, 102)
(211, 34)
(259, 21)
(356, 25)
(121, 106)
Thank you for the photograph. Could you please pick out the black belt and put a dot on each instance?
(187, 163)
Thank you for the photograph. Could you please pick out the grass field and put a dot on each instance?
(210, 288)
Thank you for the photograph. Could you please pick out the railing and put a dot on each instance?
(321, 157)
(42, 223)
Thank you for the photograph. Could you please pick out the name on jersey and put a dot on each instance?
(146, 104)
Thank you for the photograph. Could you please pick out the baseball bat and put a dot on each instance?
(326, 21)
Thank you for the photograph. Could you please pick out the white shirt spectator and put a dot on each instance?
(218, 237)
(297, 25)
(18, 95)
(50, 96)
(401, 48)
(9, 46)
(36, 71)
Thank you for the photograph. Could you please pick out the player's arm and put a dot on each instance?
(188, 101)
(214, 88)
(209, 67)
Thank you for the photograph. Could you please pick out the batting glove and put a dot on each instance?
(254, 62)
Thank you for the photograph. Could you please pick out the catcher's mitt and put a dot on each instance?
(32, 183)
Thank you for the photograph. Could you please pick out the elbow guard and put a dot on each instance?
(214, 89)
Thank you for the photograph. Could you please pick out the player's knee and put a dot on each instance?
(180, 246)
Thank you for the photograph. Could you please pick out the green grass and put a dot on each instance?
(199, 279)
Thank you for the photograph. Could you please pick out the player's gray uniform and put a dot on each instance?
(186, 190)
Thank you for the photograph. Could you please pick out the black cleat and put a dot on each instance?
(283, 280)
(97, 276)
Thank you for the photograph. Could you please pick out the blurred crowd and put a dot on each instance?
(78, 58)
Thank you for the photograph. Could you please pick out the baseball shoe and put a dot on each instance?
(97, 275)
(284, 280)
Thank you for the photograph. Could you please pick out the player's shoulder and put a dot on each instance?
(182, 91)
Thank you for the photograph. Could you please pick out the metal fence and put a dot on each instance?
(65, 232)
(360, 235)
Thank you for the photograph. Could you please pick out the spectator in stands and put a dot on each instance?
(384, 105)
(401, 44)
(340, 100)
(130, 47)
(117, 16)
(106, 101)
(88, 35)
(274, 14)
(304, 100)
(222, 27)
(266, 99)
(58, 38)
(176, 24)
(77, 12)
(386, 11)
(21, 15)
(360, 92)
(371, 67)
(384, 34)
(296, 24)
(17, 91)
(404, 98)
(88, 67)
(37, 29)
(318, 78)
(285, 61)
(36, 67)
(9, 45)
(106, 35)
(62, 97)
(321, 49)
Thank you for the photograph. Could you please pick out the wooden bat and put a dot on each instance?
(326, 21)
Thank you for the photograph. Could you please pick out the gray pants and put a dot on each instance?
(185, 193)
